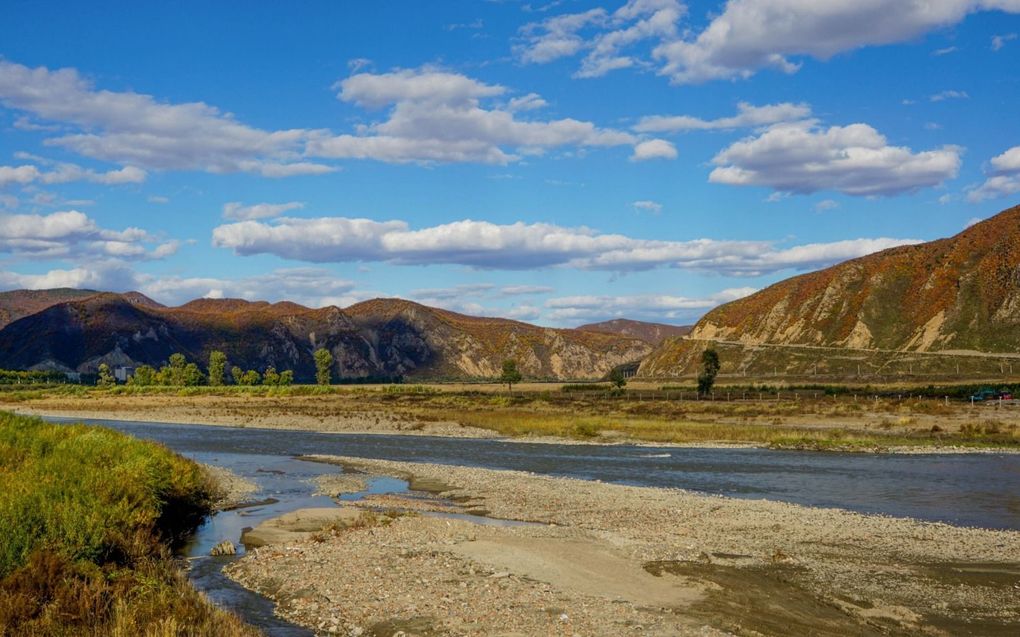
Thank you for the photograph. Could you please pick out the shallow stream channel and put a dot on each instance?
(981, 490)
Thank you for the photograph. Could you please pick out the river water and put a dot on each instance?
(981, 489)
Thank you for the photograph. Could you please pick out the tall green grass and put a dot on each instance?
(88, 518)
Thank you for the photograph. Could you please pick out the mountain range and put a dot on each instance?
(74, 330)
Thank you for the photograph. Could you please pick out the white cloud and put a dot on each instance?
(608, 39)
(945, 51)
(803, 157)
(455, 292)
(64, 173)
(653, 307)
(158, 199)
(439, 116)
(556, 37)
(826, 204)
(999, 41)
(750, 35)
(529, 102)
(653, 149)
(137, 130)
(431, 115)
(314, 287)
(524, 290)
(239, 212)
(949, 95)
(1003, 179)
(519, 246)
(97, 276)
(71, 233)
(653, 207)
(748, 116)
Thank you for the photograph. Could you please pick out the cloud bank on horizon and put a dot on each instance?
(558, 163)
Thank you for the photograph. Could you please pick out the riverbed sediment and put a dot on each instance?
(604, 559)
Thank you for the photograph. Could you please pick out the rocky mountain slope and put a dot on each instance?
(959, 293)
(652, 333)
(380, 339)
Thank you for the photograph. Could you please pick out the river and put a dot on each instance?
(980, 490)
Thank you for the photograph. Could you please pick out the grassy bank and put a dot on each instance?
(88, 518)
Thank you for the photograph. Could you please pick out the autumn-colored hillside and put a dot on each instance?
(960, 293)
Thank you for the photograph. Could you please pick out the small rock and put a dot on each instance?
(500, 575)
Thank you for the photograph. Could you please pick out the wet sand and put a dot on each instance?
(601, 559)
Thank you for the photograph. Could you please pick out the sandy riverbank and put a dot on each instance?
(606, 559)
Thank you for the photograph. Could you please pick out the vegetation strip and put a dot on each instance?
(89, 519)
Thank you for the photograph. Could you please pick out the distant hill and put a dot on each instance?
(653, 333)
(384, 338)
(18, 303)
(960, 293)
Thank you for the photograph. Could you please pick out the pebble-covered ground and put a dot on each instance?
(689, 564)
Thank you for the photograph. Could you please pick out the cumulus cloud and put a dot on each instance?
(239, 212)
(1003, 177)
(750, 35)
(653, 307)
(802, 157)
(137, 130)
(519, 246)
(440, 116)
(64, 172)
(73, 234)
(748, 116)
(653, 149)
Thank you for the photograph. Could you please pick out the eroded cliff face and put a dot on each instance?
(382, 339)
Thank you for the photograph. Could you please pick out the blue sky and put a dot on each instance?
(556, 162)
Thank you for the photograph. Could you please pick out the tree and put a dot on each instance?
(173, 373)
(250, 378)
(217, 368)
(709, 370)
(144, 376)
(270, 377)
(236, 373)
(106, 378)
(617, 378)
(192, 375)
(286, 377)
(323, 366)
(510, 374)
